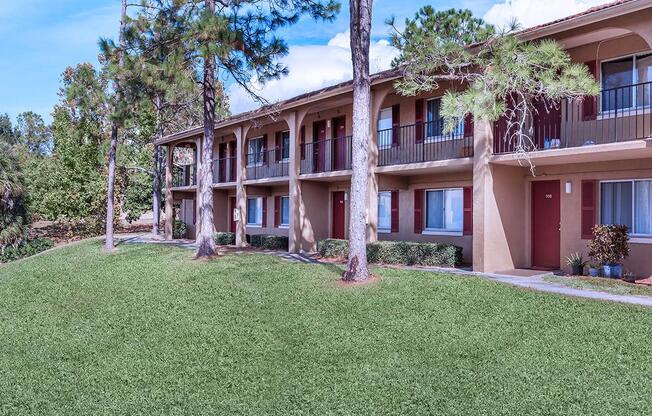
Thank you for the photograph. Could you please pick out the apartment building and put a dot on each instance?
(285, 169)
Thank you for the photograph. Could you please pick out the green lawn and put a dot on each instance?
(149, 331)
(614, 286)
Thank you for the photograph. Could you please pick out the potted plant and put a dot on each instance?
(576, 263)
(609, 247)
(594, 270)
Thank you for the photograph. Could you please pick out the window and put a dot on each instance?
(628, 203)
(385, 128)
(435, 121)
(384, 212)
(624, 82)
(445, 210)
(255, 211)
(255, 151)
(285, 211)
(285, 145)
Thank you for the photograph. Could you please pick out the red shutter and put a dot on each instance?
(468, 125)
(396, 123)
(264, 212)
(418, 211)
(277, 211)
(394, 211)
(264, 139)
(277, 148)
(418, 121)
(303, 142)
(468, 210)
(590, 104)
(589, 207)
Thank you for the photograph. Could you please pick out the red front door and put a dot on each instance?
(545, 224)
(231, 209)
(339, 142)
(318, 139)
(338, 215)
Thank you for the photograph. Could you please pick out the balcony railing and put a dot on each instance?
(423, 142)
(329, 155)
(224, 170)
(266, 164)
(616, 115)
(184, 175)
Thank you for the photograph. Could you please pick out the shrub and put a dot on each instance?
(26, 249)
(398, 252)
(224, 238)
(179, 229)
(269, 242)
(333, 248)
(610, 244)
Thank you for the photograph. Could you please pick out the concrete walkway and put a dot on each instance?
(527, 279)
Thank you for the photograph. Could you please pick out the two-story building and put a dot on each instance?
(285, 169)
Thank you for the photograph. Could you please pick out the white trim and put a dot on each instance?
(428, 231)
(253, 165)
(254, 225)
(634, 237)
(424, 213)
(640, 240)
(635, 81)
(280, 212)
(384, 231)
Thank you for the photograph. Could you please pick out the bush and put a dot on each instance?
(27, 249)
(179, 229)
(610, 244)
(398, 252)
(268, 242)
(224, 238)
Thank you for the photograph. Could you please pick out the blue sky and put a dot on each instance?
(39, 38)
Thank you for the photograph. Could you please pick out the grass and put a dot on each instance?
(149, 331)
(615, 286)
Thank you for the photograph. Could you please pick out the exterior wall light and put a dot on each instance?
(569, 187)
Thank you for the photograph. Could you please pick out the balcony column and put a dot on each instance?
(297, 208)
(197, 192)
(169, 199)
(240, 190)
(377, 99)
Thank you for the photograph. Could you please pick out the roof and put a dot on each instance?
(534, 32)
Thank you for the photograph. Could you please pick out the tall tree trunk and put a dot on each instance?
(156, 159)
(357, 268)
(205, 242)
(109, 243)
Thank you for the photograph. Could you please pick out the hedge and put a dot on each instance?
(268, 242)
(398, 252)
(224, 238)
(25, 250)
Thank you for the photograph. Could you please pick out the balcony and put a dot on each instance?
(616, 115)
(266, 164)
(322, 156)
(423, 142)
(184, 175)
(224, 170)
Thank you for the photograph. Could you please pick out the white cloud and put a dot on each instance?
(312, 67)
(534, 12)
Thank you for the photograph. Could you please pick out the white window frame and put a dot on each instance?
(280, 213)
(385, 230)
(259, 205)
(262, 151)
(389, 132)
(437, 231)
(456, 135)
(634, 56)
(634, 237)
(285, 159)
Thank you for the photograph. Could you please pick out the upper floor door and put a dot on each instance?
(319, 145)
(338, 147)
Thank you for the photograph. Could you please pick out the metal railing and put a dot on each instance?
(615, 115)
(184, 175)
(266, 164)
(422, 142)
(224, 170)
(328, 155)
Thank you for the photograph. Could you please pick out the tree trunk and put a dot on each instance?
(156, 191)
(205, 242)
(357, 268)
(109, 244)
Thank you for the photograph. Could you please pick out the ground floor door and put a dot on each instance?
(338, 210)
(231, 217)
(545, 224)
